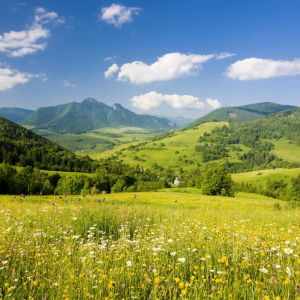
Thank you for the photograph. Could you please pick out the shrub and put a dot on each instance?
(216, 181)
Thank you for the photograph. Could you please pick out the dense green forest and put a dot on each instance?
(22, 147)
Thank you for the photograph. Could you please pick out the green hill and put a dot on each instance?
(22, 147)
(15, 114)
(252, 145)
(244, 113)
(263, 138)
(90, 115)
(173, 150)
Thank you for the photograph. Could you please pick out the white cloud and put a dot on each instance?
(154, 100)
(10, 77)
(68, 84)
(213, 103)
(257, 68)
(110, 58)
(25, 42)
(224, 55)
(42, 16)
(118, 15)
(167, 67)
(111, 71)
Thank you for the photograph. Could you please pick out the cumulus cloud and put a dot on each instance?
(10, 77)
(42, 16)
(213, 103)
(153, 99)
(111, 71)
(167, 67)
(118, 15)
(257, 68)
(68, 84)
(31, 40)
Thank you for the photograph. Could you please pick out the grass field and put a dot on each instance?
(175, 151)
(287, 150)
(100, 139)
(162, 245)
(61, 173)
(262, 176)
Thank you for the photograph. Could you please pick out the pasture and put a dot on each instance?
(176, 150)
(101, 139)
(262, 176)
(157, 245)
(287, 150)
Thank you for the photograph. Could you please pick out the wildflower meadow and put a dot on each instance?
(162, 245)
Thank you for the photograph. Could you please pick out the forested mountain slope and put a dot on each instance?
(254, 140)
(19, 146)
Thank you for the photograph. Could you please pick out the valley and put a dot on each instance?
(100, 140)
(149, 150)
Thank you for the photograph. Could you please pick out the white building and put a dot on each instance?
(177, 181)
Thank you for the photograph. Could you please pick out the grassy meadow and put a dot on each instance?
(175, 150)
(156, 245)
(262, 176)
(287, 150)
(99, 140)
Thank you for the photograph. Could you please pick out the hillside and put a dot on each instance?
(252, 145)
(179, 121)
(262, 138)
(19, 146)
(15, 114)
(244, 113)
(173, 150)
(90, 115)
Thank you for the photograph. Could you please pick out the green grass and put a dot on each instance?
(67, 174)
(99, 140)
(62, 173)
(287, 150)
(162, 245)
(174, 151)
(261, 176)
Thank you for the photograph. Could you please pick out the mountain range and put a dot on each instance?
(15, 114)
(89, 115)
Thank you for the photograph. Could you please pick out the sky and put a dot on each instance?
(171, 57)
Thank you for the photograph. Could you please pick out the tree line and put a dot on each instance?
(110, 176)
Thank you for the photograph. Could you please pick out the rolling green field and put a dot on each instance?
(162, 245)
(287, 150)
(261, 176)
(174, 151)
(99, 140)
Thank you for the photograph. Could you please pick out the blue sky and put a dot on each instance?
(169, 57)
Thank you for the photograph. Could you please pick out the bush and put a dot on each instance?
(216, 181)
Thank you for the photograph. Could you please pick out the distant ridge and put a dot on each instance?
(89, 115)
(15, 114)
(244, 113)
